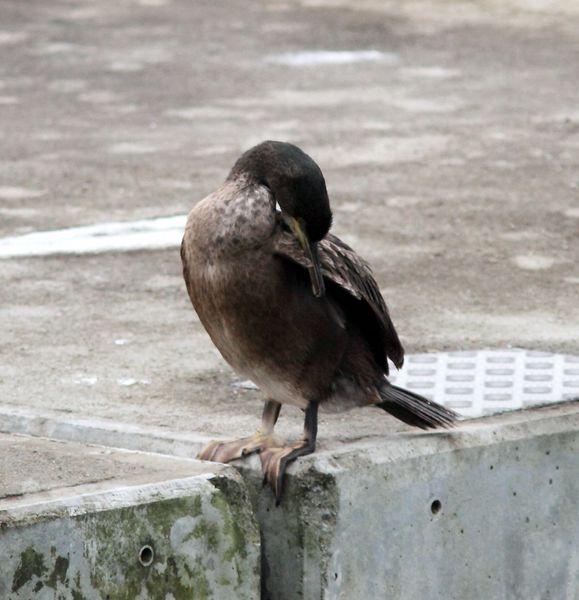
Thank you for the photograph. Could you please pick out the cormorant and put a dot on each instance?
(291, 306)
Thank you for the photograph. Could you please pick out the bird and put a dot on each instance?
(290, 306)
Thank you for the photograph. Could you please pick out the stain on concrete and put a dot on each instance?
(59, 572)
(533, 262)
(30, 567)
(19, 193)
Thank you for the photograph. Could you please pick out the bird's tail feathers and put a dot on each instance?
(413, 409)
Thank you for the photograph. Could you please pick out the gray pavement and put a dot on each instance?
(451, 161)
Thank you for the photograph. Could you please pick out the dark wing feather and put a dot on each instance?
(356, 289)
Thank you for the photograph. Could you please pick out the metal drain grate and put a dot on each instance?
(486, 382)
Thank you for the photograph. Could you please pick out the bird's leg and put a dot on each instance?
(274, 460)
(217, 451)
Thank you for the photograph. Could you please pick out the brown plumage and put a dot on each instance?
(291, 306)
(350, 273)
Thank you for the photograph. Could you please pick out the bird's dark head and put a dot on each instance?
(299, 189)
(295, 180)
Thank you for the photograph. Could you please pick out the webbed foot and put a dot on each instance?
(225, 452)
(274, 462)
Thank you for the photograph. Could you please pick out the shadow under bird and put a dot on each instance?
(291, 306)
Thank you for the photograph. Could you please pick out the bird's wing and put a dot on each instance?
(352, 275)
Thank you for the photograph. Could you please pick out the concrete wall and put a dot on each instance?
(449, 517)
(488, 510)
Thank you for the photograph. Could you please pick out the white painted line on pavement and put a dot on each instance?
(145, 234)
(326, 57)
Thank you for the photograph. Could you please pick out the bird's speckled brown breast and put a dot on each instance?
(258, 310)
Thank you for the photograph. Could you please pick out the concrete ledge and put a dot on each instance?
(125, 525)
(55, 425)
(489, 511)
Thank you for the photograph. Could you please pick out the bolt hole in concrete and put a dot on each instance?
(146, 556)
(435, 507)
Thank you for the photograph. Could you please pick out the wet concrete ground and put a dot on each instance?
(451, 156)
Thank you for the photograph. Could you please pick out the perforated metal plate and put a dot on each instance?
(486, 382)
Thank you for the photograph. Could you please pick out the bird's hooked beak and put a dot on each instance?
(311, 250)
